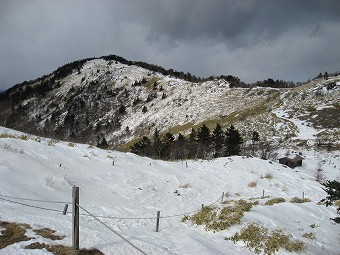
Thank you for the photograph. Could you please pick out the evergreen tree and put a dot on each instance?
(233, 141)
(333, 190)
(325, 76)
(254, 139)
(192, 144)
(167, 145)
(122, 109)
(142, 147)
(156, 144)
(203, 135)
(180, 146)
(204, 141)
(218, 140)
(103, 144)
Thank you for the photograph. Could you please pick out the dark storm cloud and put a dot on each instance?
(252, 39)
(234, 21)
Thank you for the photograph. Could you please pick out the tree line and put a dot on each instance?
(201, 143)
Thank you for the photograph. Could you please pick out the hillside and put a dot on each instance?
(100, 100)
(129, 194)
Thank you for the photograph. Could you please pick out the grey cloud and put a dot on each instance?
(253, 39)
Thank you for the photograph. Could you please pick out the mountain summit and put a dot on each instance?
(110, 101)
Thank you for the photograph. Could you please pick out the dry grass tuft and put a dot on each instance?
(258, 239)
(276, 200)
(52, 142)
(15, 232)
(268, 176)
(62, 250)
(252, 184)
(217, 219)
(12, 233)
(300, 200)
(5, 135)
(71, 144)
(311, 236)
(48, 233)
(185, 186)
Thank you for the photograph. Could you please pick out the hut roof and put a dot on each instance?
(295, 159)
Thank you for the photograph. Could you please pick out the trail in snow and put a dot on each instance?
(306, 132)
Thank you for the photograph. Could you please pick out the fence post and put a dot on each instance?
(75, 218)
(202, 206)
(157, 221)
(222, 197)
(262, 193)
(303, 195)
(65, 209)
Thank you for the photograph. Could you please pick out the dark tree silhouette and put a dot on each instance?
(233, 141)
(333, 190)
(142, 147)
(218, 140)
(255, 139)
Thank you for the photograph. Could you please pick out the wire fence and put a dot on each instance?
(36, 200)
(96, 217)
(32, 206)
(4, 198)
(112, 230)
(10, 199)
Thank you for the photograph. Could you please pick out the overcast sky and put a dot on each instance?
(252, 39)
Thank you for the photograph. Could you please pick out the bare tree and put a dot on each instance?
(267, 149)
(319, 174)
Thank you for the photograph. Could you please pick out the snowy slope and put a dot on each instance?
(86, 106)
(138, 187)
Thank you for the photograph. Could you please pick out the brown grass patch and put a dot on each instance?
(48, 233)
(62, 250)
(252, 184)
(15, 232)
(185, 186)
(12, 233)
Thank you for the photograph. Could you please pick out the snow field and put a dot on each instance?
(137, 187)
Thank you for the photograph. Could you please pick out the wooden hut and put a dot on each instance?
(291, 162)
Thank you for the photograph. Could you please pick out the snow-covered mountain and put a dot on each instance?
(127, 195)
(100, 98)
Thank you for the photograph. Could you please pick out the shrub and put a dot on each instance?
(71, 144)
(299, 200)
(276, 200)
